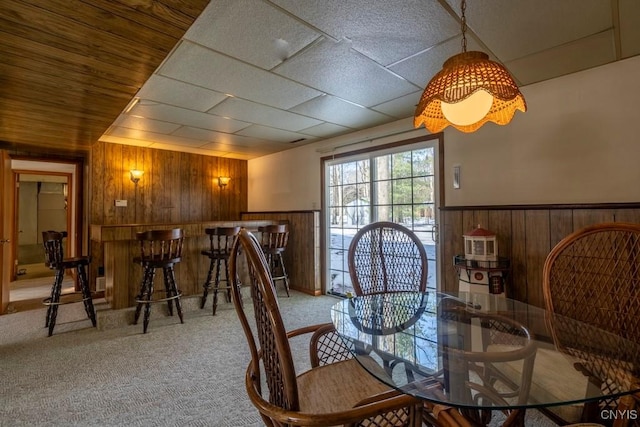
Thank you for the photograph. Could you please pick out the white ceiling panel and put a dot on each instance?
(338, 70)
(374, 26)
(319, 69)
(263, 115)
(325, 130)
(579, 55)
(252, 31)
(209, 136)
(203, 67)
(183, 116)
(146, 124)
(335, 110)
(272, 134)
(262, 148)
(420, 68)
(516, 28)
(153, 137)
(401, 107)
(180, 94)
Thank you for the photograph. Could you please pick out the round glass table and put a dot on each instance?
(478, 351)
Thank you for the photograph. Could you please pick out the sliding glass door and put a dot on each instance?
(398, 184)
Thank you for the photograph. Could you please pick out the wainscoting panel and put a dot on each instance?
(302, 257)
(525, 235)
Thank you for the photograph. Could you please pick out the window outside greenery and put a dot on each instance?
(397, 187)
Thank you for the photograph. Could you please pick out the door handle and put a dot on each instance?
(5, 241)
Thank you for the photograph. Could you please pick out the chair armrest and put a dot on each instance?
(372, 407)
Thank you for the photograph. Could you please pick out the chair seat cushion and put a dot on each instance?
(554, 378)
(337, 386)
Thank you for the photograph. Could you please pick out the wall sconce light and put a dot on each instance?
(136, 175)
(223, 181)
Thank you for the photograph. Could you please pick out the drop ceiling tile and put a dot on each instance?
(254, 151)
(513, 29)
(271, 134)
(337, 111)
(325, 130)
(421, 68)
(630, 27)
(150, 125)
(125, 141)
(203, 67)
(186, 117)
(264, 37)
(186, 149)
(155, 137)
(221, 138)
(337, 69)
(262, 114)
(569, 58)
(173, 92)
(385, 31)
(402, 107)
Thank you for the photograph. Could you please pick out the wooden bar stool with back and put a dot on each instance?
(220, 243)
(158, 249)
(55, 260)
(273, 240)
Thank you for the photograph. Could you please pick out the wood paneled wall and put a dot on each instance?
(175, 188)
(302, 257)
(526, 235)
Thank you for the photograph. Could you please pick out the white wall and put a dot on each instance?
(577, 143)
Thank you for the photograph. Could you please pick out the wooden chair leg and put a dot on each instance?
(174, 291)
(147, 304)
(216, 287)
(52, 313)
(86, 294)
(207, 283)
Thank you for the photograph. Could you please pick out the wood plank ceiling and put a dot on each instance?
(68, 68)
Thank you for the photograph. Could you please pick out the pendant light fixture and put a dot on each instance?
(469, 91)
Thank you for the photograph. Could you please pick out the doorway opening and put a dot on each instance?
(45, 199)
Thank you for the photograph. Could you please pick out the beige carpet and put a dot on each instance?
(189, 374)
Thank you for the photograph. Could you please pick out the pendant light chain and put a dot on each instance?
(463, 7)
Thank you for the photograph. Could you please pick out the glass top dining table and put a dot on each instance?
(484, 351)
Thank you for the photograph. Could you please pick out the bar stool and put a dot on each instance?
(55, 260)
(158, 249)
(274, 240)
(220, 242)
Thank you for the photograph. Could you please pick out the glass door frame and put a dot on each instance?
(438, 142)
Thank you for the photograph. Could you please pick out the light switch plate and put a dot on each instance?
(456, 176)
(121, 203)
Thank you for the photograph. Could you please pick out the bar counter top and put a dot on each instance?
(123, 276)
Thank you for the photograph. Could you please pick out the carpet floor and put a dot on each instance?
(189, 374)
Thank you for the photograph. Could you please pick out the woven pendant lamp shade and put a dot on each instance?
(461, 76)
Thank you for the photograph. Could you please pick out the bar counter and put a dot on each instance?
(123, 276)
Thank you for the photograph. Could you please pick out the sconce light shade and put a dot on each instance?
(469, 91)
(136, 175)
(223, 181)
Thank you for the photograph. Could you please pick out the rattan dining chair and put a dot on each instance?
(387, 257)
(593, 276)
(340, 393)
(501, 345)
